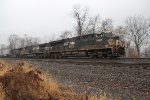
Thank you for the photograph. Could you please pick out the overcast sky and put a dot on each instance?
(42, 18)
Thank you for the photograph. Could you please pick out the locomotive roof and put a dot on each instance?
(77, 37)
(43, 45)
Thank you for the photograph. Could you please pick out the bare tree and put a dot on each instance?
(147, 52)
(31, 40)
(66, 34)
(107, 25)
(2, 48)
(35, 41)
(81, 16)
(52, 38)
(21, 42)
(132, 52)
(137, 31)
(121, 31)
(146, 49)
(28, 40)
(93, 25)
(13, 41)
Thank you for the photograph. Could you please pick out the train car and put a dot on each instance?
(102, 45)
(39, 50)
(15, 53)
(26, 52)
(54, 49)
(5, 53)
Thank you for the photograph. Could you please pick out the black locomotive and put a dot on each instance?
(103, 45)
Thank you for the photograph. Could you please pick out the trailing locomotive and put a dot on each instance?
(103, 45)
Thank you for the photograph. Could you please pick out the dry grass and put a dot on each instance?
(22, 82)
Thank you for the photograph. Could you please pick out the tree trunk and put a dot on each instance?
(138, 50)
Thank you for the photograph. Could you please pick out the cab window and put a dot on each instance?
(99, 35)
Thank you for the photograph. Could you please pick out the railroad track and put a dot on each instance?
(117, 61)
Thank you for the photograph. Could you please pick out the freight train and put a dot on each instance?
(102, 45)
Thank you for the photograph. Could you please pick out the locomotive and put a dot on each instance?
(102, 45)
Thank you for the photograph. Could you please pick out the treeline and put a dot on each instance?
(16, 41)
(135, 31)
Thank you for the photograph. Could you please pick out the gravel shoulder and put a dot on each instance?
(117, 82)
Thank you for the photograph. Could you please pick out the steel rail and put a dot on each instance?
(125, 61)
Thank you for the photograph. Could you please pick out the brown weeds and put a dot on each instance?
(22, 82)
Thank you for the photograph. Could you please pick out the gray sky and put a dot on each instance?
(42, 18)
